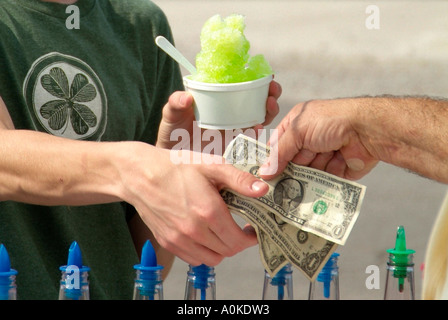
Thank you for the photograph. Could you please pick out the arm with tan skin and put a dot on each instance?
(47, 170)
(348, 137)
(43, 169)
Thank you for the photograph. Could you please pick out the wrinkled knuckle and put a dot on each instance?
(242, 178)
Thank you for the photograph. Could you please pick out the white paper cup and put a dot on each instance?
(225, 106)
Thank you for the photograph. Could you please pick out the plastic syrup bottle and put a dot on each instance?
(74, 284)
(8, 288)
(201, 283)
(326, 285)
(400, 270)
(148, 284)
(278, 287)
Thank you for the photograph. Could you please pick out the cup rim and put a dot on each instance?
(235, 86)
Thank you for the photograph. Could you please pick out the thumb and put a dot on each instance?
(241, 182)
(358, 160)
(178, 104)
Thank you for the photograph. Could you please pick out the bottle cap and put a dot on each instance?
(5, 273)
(74, 267)
(5, 264)
(202, 272)
(74, 258)
(148, 277)
(148, 260)
(399, 256)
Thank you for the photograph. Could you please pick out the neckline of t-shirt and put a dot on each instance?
(58, 10)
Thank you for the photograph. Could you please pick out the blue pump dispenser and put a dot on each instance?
(7, 276)
(148, 283)
(326, 286)
(279, 286)
(202, 272)
(201, 283)
(74, 284)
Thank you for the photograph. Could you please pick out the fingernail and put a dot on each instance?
(258, 185)
(355, 164)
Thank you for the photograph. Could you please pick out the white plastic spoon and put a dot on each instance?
(166, 46)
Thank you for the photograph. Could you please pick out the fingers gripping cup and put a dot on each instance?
(228, 106)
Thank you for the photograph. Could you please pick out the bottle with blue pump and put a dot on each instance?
(278, 287)
(326, 285)
(148, 284)
(400, 270)
(8, 288)
(74, 284)
(201, 283)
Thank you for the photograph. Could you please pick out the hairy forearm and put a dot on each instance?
(407, 132)
(43, 169)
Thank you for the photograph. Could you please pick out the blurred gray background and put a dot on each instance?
(323, 50)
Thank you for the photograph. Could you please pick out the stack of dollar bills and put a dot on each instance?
(303, 217)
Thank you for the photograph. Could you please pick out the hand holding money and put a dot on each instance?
(300, 201)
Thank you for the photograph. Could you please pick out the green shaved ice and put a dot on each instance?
(258, 66)
(224, 55)
(236, 21)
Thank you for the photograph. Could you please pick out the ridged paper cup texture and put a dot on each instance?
(226, 106)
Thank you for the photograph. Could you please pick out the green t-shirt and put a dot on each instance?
(92, 72)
